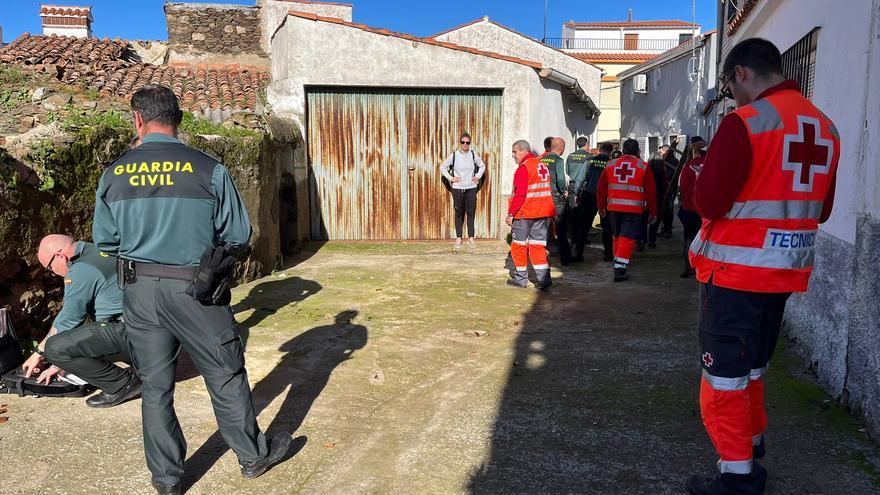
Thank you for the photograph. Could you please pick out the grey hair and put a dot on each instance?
(522, 145)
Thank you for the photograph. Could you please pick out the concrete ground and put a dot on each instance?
(401, 368)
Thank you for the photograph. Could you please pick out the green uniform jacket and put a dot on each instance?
(576, 168)
(558, 182)
(164, 202)
(89, 288)
(597, 167)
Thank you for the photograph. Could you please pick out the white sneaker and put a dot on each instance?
(457, 246)
(472, 243)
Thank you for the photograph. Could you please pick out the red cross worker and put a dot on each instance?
(626, 190)
(765, 186)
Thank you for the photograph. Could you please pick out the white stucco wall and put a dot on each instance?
(76, 31)
(485, 35)
(646, 33)
(273, 13)
(841, 88)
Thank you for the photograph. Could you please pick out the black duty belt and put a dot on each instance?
(165, 271)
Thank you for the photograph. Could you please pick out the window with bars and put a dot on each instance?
(799, 62)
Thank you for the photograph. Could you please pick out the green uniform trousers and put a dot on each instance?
(159, 318)
(90, 352)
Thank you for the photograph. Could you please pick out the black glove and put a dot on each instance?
(211, 283)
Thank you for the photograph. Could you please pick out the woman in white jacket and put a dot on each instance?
(464, 169)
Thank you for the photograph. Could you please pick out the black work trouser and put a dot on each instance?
(465, 203)
(607, 236)
(160, 318)
(563, 225)
(580, 227)
(691, 222)
(668, 214)
(90, 352)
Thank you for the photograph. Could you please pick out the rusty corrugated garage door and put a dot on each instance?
(375, 156)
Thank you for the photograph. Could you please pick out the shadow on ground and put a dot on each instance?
(302, 373)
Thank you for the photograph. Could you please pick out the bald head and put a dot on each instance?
(557, 145)
(53, 244)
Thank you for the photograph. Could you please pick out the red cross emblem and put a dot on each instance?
(543, 172)
(807, 153)
(707, 359)
(624, 172)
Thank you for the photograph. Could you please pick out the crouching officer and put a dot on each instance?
(160, 207)
(626, 189)
(89, 351)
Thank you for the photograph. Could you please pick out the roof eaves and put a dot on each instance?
(429, 41)
(665, 57)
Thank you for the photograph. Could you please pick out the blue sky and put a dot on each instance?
(144, 19)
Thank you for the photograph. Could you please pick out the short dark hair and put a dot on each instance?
(465, 135)
(157, 103)
(548, 143)
(630, 147)
(606, 148)
(581, 141)
(757, 54)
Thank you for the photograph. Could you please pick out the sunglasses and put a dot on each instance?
(465, 142)
(52, 260)
(725, 91)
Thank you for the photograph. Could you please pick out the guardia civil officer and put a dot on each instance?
(167, 209)
(577, 166)
(597, 167)
(766, 184)
(87, 350)
(552, 158)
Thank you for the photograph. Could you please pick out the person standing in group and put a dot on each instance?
(552, 158)
(658, 169)
(625, 191)
(172, 231)
(765, 186)
(464, 170)
(531, 208)
(666, 209)
(577, 168)
(597, 167)
(687, 211)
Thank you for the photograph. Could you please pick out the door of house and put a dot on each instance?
(631, 41)
(375, 156)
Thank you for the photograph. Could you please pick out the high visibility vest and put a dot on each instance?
(539, 198)
(626, 184)
(766, 241)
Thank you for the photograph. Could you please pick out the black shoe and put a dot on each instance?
(640, 246)
(543, 286)
(165, 489)
(579, 259)
(758, 451)
(129, 391)
(620, 274)
(722, 484)
(512, 283)
(278, 446)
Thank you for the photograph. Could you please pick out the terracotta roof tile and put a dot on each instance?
(107, 67)
(429, 41)
(620, 58)
(65, 11)
(740, 17)
(632, 24)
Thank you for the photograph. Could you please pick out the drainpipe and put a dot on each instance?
(572, 85)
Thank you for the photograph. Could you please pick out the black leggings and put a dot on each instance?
(465, 202)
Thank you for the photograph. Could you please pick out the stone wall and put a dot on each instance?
(214, 34)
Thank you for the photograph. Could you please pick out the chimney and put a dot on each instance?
(630, 17)
(66, 21)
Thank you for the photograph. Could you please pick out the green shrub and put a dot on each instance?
(198, 126)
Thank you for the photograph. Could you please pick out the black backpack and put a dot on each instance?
(10, 350)
(451, 170)
(12, 380)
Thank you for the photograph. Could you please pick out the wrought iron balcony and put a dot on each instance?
(612, 45)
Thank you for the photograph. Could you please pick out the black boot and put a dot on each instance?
(728, 483)
(166, 490)
(759, 450)
(278, 446)
(620, 274)
(130, 390)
